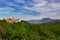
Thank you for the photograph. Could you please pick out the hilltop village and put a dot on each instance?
(12, 20)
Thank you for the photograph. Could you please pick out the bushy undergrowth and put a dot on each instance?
(28, 31)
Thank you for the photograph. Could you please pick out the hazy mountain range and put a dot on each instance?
(44, 20)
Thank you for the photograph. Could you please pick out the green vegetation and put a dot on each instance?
(28, 31)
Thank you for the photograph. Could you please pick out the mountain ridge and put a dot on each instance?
(44, 20)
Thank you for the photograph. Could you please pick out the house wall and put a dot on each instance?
(12, 20)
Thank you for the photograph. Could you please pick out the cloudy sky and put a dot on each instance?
(30, 9)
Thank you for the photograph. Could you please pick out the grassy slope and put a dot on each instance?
(27, 31)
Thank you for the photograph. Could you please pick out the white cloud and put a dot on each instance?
(55, 5)
(11, 4)
(37, 1)
(39, 17)
(20, 1)
(40, 4)
(46, 9)
(6, 10)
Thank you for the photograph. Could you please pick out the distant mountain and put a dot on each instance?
(44, 20)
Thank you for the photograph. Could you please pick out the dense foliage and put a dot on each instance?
(28, 31)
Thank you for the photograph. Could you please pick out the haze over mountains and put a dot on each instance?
(44, 20)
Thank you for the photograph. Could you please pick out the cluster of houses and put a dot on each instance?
(13, 20)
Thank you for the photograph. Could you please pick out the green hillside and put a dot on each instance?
(28, 31)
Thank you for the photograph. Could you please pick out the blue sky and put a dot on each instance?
(30, 9)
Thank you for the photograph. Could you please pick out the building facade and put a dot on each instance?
(12, 20)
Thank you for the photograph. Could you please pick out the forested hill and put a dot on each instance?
(28, 31)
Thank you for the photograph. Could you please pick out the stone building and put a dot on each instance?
(9, 20)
